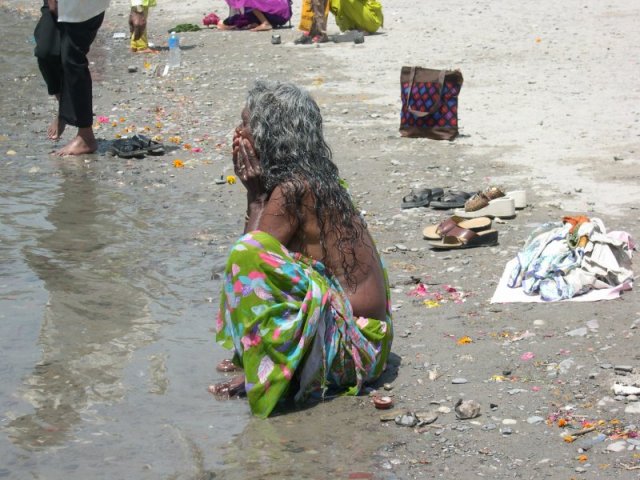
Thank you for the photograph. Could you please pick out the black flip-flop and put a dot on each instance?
(420, 198)
(128, 148)
(152, 147)
(451, 199)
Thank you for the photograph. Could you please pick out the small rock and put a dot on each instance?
(387, 387)
(467, 409)
(489, 426)
(606, 366)
(580, 470)
(617, 446)
(578, 332)
(623, 368)
(539, 323)
(459, 381)
(632, 398)
(444, 409)
(635, 324)
(509, 421)
(593, 325)
(426, 418)
(535, 420)
(633, 408)
(132, 69)
(406, 420)
(515, 391)
(506, 431)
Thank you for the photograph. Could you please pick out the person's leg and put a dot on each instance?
(319, 23)
(264, 25)
(141, 45)
(47, 51)
(76, 99)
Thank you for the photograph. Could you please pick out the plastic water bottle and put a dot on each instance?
(174, 51)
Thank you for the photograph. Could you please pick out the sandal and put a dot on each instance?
(152, 147)
(454, 225)
(421, 198)
(127, 148)
(500, 207)
(466, 239)
(451, 199)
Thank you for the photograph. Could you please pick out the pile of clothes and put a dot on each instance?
(561, 260)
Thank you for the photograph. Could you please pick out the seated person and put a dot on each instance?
(256, 15)
(305, 303)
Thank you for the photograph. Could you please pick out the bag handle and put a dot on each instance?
(436, 105)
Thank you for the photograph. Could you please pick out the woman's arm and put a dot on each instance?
(265, 212)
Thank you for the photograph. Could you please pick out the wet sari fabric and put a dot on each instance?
(291, 325)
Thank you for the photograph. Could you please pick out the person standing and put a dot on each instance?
(313, 22)
(63, 35)
(138, 25)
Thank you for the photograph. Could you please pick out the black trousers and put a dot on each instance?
(61, 49)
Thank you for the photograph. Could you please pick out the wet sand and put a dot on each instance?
(547, 105)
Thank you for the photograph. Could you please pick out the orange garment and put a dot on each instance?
(575, 223)
(306, 15)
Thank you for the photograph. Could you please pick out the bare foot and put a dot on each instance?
(263, 27)
(229, 389)
(221, 26)
(84, 142)
(227, 365)
(145, 50)
(55, 129)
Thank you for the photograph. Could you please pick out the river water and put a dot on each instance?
(107, 304)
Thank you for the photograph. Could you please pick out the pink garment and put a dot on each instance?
(273, 7)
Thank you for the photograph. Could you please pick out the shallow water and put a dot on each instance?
(106, 307)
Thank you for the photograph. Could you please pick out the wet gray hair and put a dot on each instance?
(286, 125)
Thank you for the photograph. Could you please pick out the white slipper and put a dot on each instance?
(504, 207)
(519, 198)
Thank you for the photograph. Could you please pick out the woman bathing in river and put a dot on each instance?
(305, 302)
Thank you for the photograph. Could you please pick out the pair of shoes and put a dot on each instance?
(451, 199)
(420, 198)
(503, 207)
(465, 238)
(482, 199)
(454, 225)
(304, 39)
(136, 147)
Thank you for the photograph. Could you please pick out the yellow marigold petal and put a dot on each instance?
(562, 422)
(583, 458)
(569, 439)
(178, 163)
(231, 179)
(464, 340)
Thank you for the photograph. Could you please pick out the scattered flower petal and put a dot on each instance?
(527, 356)
(178, 163)
(464, 340)
(231, 179)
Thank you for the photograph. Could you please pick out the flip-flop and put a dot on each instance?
(128, 148)
(152, 147)
(420, 198)
(454, 225)
(451, 199)
(466, 239)
(500, 207)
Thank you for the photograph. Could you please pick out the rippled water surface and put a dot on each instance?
(106, 306)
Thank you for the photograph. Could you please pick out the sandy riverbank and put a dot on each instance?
(549, 104)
